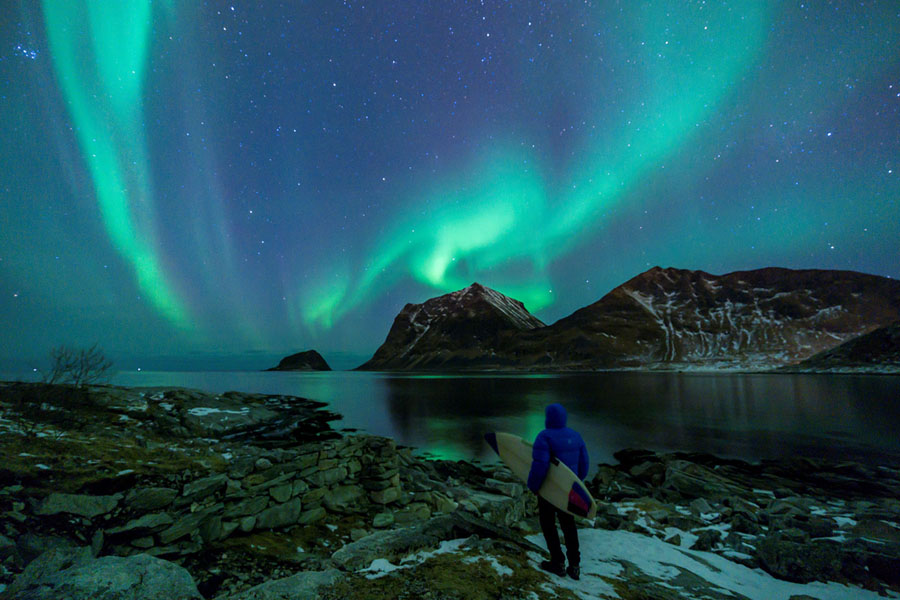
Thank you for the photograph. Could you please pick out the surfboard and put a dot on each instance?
(561, 488)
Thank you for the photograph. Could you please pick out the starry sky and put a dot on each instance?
(212, 185)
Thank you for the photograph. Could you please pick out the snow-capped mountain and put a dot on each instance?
(663, 318)
(747, 319)
(470, 328)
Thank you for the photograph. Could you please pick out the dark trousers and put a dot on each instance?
(548, 515)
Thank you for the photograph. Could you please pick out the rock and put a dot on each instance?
(7, 547)
(386, 496)
(798, 561)
(184, 525)
(310, 360)
(150, 499)
(211, 529)
(877, 530)
(314, 496)
(249, 506)
(504, 487)
(299, 487)
(204, 487)
(262, 464)
(301, 586)
(29, 545)
(242, 467)
(281, 493)
(313, 515)
(443, 504)
(357, 534)
(391, 545)
(328, 477)
(707, 539)
(416, 511)
(75, 504)
(77, 576)
(675, 540)
(344, 499)
(147, 524)
(247, 524)
(280, 515)
(690, 480)
(383, 520)
(742, 524)
(700, 506)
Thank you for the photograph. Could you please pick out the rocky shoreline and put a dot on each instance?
(182, 494)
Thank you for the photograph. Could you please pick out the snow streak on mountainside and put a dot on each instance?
(748, 319)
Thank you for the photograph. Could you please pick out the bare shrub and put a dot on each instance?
(77, 366)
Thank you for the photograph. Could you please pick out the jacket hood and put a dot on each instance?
(556, 416)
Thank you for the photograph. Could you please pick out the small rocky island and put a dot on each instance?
(110, 493)
(309, 360)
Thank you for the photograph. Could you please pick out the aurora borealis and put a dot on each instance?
(193, 183)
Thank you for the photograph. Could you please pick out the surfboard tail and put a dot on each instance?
(579, 500)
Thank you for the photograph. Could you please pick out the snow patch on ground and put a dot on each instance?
(381, 567)
(602, 551)
(202, 411)
(501, 569)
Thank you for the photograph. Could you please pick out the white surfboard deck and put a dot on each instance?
(561, 488)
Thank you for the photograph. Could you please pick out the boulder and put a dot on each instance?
(391, 545)
(301, 586)
(76, 504)
(74, 575)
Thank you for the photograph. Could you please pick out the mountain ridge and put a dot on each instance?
(662, 318)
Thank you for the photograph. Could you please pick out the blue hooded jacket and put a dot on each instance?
(558, 441)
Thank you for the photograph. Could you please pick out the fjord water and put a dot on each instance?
(747, 416)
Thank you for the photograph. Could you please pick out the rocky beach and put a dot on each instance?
(114, 493)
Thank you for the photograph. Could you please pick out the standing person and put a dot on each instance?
(565, 444)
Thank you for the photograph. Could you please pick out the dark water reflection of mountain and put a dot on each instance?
(749, 416)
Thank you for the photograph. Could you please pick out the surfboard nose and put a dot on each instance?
(491, 439)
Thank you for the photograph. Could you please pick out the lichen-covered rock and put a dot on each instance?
(77, 504)
(76, 576)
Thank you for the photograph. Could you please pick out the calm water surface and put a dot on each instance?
(739, 415)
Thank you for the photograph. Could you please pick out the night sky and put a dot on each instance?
(214, 185)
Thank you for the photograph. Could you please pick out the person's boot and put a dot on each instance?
(574, 572)
(554, 567)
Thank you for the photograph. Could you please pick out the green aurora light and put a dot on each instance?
(102, 76)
